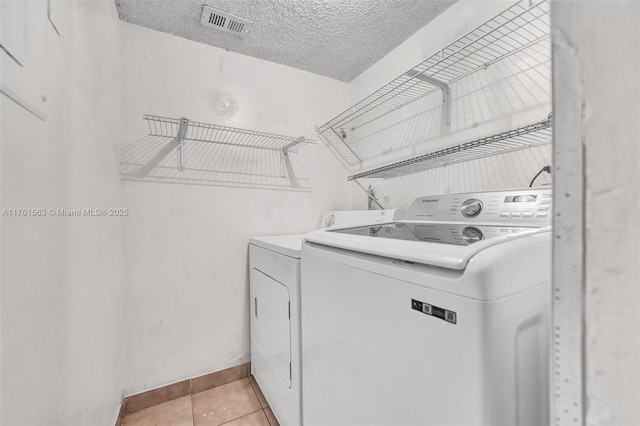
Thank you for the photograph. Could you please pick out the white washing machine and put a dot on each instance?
(275, 311)
(438, 319)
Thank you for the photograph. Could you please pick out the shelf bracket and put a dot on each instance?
(344, 141)
(371, 198)
(284, 154)
(446, 94)
(182, 134)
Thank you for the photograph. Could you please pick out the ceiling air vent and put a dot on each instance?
(224, 21)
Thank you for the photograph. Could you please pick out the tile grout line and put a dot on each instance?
(244, 415)
(264, 410)
(193, 415)
(256, 393)
(153, 393)
(190, 394)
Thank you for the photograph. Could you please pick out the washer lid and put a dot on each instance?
(453, 254)
(287, 245)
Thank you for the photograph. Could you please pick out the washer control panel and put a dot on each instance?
(524, 206)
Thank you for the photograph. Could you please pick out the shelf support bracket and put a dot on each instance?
(446, 94)
(182, 134)
(371, 198)
(284, 154)
(344, 141)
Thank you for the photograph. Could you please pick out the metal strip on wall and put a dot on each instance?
(567, 363)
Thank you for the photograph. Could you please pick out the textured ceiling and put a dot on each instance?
(335, 38)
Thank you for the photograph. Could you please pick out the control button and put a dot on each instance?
(471, 208)
(426, 309)
(545, 201)
(450, 316)
(505, 230)
(527, 214)
(545, 196)
(471, 234)
(542, 214)
(544, 207)
(329, 221)
(416, 304)
(516, 214)
(505, 214)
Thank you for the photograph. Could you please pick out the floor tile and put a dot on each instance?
(224, 403)
(271, 417)
(261, 398)
(172, 413)
(258, 418)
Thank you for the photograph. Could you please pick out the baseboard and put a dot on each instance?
(140, 401)
(120, 414)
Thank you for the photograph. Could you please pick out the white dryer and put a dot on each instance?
(438, 319)
(275, 310)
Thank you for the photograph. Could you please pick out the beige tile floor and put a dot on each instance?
(238, 403)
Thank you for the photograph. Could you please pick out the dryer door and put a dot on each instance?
(270, 329)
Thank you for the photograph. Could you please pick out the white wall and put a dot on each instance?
(510, 93)
(62, 276)
(187, 242)
(609, 55)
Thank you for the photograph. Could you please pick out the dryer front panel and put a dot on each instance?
(271, 326)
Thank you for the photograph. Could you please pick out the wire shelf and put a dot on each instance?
(524, 25)
(523, 137)
(214, 133)
(182, 130)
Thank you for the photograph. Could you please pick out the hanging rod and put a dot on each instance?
(183, 129)
(523, 137)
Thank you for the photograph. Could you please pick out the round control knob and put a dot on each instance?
(472, 235)
(471, 208)
(329, 221)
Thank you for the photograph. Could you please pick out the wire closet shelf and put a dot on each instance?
(523, 137)
(214, 133)
(519, 27)
(182, 129)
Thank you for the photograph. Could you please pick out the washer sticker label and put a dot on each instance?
(434, 311)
